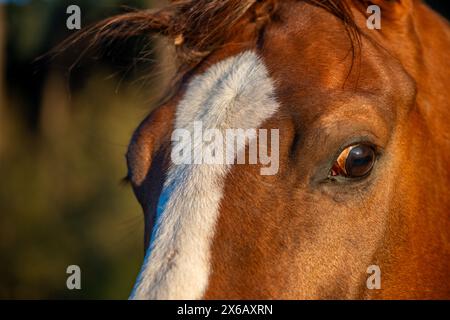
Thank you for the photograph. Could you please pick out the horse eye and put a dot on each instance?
(354, 162)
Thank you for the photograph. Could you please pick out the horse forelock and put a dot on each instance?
(196, 28)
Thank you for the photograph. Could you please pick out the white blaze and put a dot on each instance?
(234, 93)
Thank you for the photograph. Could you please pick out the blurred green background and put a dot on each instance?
(63, 136)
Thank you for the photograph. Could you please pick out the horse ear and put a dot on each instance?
(393, 9)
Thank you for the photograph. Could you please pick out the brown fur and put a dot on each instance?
(296, 235)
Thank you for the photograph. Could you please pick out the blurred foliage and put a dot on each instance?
(62, 147)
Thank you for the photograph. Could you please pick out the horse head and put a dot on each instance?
(353, 124)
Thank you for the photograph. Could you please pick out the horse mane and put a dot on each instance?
(195, 27)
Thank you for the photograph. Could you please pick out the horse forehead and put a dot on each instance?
(315, 63)
(312, 47)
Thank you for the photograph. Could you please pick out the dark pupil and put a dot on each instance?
(359, 161)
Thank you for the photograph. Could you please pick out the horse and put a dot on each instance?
(364, 151)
